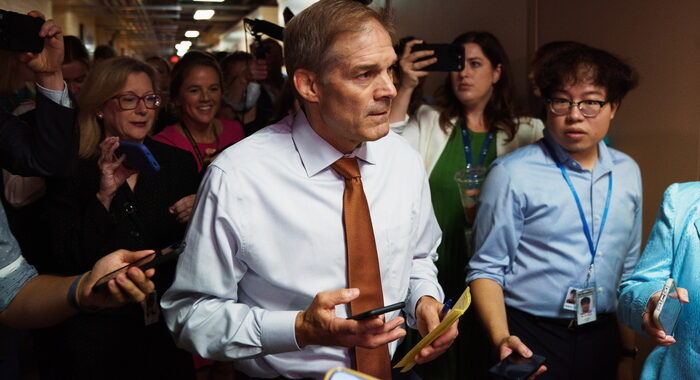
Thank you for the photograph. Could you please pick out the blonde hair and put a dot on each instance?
(309, 36)
(103, 82)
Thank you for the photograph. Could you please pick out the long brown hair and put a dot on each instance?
(500, 109)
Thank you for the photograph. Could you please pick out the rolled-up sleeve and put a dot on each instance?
(201, 308)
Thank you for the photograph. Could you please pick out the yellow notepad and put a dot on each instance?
(452, 316)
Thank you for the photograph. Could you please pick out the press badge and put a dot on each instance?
(151, 309)
(585, 306)
(570, 299)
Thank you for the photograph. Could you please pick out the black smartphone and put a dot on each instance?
(516, 367)
(147, 262)
(378, 311)
(138, 157)
(450, 57)
(20, 32)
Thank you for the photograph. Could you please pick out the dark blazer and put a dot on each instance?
(83, 231)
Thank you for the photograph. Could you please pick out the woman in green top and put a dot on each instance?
(472, 123)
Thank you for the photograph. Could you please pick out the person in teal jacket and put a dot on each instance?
(673, 251)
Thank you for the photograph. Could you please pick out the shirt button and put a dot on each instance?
(600, 289)
(129, 208)
(134, 233)
(600, 253)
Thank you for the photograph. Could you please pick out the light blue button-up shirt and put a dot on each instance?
(528, 233)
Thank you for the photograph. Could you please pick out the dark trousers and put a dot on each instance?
(590, 351)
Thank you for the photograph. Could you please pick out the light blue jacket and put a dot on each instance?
(673, 250)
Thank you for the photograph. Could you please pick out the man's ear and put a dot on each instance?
(306, 84)
(613, 109)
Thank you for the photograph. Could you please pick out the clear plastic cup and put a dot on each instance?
(469, 181)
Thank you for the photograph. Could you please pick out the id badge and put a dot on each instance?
(570, 298)
(151, 309)
(585, 306)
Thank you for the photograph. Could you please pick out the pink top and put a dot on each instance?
(232, 132)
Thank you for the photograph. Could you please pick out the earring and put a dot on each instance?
(100, 115)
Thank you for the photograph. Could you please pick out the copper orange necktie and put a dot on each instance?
(363, 263)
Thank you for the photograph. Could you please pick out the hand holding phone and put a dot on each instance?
(517, 367)
(450, 57)
(145, 263)
(138, 157)
(668, 308)
(378, 311)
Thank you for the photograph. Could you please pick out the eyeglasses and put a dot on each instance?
(588, 108)
(130, 101)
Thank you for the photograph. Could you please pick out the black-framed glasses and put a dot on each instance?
(130, 101)
(588, 108)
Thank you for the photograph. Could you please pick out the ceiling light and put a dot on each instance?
(203, 14)
(192, 34)
(209, 1)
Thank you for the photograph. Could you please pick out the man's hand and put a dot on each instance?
(428, 311)
(47, 64)
(648, 324)
(132, 286)
(182, 209)
(319, 325)
(513, 343)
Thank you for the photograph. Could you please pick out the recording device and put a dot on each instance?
(668, 309)
(259, 27)
(378, 311)
(145, 263)
(516, 367)
(20, 32)
(138, 157)
(450, 57)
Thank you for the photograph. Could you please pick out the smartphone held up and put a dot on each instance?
(20, 32)
(450, 57)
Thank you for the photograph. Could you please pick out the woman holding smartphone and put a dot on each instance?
(671, 252)
(195, 90)
(475, 113)
(105, 206)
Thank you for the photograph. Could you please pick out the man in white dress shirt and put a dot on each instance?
(264, 278)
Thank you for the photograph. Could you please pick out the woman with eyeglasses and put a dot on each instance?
(105, 206)
(472, 123)
(195, 91)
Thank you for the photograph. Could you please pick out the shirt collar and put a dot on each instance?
(603, 165)
(317, 154)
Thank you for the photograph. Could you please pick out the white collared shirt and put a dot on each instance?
(267, 236)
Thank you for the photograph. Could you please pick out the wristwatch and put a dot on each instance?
(630, 353)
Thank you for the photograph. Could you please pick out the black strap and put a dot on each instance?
(189, 136)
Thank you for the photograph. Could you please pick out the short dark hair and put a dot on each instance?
(183, 67)
(74, 50)
(587, 64)
(585, 300)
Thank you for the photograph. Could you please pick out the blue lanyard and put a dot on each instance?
(591, 247)
(468, 146)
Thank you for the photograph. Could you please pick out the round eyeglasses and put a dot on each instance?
(588, 108)
(130, 101)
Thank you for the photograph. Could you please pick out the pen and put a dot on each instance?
(447, 307)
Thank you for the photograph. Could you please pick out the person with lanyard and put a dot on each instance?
(559, 216)
(195, 91)
(473, 123)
